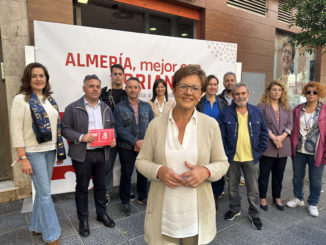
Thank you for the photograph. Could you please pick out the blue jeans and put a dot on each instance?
(315, 177)
(109, 170)
(44, 218)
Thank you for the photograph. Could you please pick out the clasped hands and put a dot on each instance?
(192, 178)
(277, 140)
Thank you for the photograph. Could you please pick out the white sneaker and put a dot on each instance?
(295, 202)
(313, 210)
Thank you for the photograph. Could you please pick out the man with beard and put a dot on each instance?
(245, 138)
(229, 79)
(132, 117)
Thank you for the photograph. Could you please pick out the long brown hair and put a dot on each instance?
(26, 88)
(156, 83)
(284, 100)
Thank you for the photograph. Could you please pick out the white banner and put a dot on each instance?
(71, 52)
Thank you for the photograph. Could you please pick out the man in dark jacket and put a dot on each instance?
(229, 79)
(79, 117)
(132, 117)
(245, 138)
(112, 97)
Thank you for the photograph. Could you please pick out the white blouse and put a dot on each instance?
(160, 107)
(306, 122)
(180, 207)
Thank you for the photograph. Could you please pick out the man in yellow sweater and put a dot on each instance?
(245, 138)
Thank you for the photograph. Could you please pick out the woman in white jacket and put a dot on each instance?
(182, 152)
(36, 135)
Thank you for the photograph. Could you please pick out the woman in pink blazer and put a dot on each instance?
(275, 107)
(308, 143)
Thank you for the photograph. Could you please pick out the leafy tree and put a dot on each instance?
(310, 16)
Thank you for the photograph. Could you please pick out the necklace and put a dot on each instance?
(307, 126)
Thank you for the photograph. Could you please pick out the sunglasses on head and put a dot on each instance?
(312, 92)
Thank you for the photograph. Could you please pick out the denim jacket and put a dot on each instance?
(258, 132)
(127, 130)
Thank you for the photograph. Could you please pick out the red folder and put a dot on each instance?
(103, 137)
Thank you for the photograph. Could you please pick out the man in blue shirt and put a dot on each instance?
(87, 113)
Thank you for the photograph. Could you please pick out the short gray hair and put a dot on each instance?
(229, 73)
(238, 85)
(89, 77)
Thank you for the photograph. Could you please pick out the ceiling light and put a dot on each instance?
(83, 1)
(152, 29)
(184, 34)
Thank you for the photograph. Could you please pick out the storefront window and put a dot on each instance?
(159, 25)
(112, 15)
(185, 27)
(293, 66)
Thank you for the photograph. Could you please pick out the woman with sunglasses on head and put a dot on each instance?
(160, 103)
(308, 143)
(277, 113)
(36, 135)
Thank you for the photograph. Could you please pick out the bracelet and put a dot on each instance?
(208, 171)
(22, 157)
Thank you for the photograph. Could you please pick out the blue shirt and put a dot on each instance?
(213, 111)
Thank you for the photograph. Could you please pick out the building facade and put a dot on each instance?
(259, 28)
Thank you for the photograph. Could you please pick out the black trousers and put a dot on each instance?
(127, 161)
(276, 166)
(94, 165)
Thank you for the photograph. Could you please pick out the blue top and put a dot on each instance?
(213, 111)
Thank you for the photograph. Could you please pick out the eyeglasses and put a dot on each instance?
(311, 92)
(194, 89)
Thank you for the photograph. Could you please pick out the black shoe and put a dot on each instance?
(256, 223)
(142, 201)
(125, 209)
(132, 197)
(279, 207)
(83, 228)
(229, 215)
(107, 221)
(264, 207)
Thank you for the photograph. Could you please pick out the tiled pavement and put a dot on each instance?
(292, 226)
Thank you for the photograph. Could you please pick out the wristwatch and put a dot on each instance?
(22, 157)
